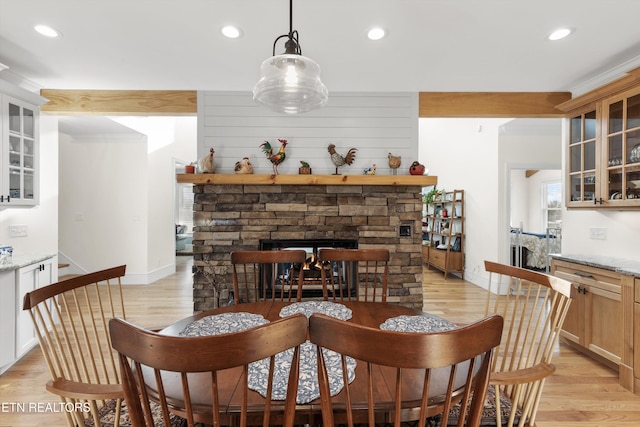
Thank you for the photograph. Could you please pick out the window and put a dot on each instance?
(185, 206)
(552, 204)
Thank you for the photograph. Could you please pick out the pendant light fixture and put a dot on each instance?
(290, 82)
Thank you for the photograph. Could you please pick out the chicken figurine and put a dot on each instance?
(276, 158)
(394, 163)
(244, 166)
(370, 171)
(206, 164)
(340, 160)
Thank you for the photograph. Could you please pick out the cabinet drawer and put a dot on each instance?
(582, 274)
(438, 258)
(637, 290)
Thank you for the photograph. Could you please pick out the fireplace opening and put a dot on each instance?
(312, 285)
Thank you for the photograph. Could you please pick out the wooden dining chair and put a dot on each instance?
(185, 375)
(267, 275)
(70, 320)
(354, 274)
(534, 306)
(455, 364)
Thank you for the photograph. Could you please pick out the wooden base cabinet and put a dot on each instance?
(600, 319)
(636, 337)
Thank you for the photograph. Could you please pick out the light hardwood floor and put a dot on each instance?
(581, 392)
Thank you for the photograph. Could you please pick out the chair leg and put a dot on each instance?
(496, 392)
(94, 412)
(116, 421)
(68, 415)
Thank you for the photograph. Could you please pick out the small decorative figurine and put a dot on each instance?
(416, 169)
(304, 168)
(340, 160)
(394, 163)
(276, 158)
(370, 171)
(207, 165)
(244, 166)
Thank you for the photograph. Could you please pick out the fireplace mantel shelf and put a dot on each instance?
(264, 179)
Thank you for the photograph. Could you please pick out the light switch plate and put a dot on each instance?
(18, 230)
(598, 233)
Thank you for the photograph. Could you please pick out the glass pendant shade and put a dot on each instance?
(291, 84)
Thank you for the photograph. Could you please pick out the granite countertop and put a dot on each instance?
(21, 260)
(619, 265)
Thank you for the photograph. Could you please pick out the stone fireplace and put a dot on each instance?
(238, 212)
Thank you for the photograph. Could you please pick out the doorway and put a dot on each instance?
(535, 217)
(183, 213)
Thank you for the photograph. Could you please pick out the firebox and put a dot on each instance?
(312, 286)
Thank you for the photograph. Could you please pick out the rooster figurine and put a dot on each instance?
(277, 158)
(207, 165)
(243, 166)
(340, 160)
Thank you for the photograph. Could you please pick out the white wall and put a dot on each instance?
(103, 203)
(519, 200)
(116, 197)
(477, 155)
(374, 123)
(41, 220)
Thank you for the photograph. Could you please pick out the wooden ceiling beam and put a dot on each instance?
(120, 102)
(492, 104)
(184, 102)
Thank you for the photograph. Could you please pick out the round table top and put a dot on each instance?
(371, 314)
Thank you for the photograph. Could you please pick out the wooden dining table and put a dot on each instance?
(371, 314)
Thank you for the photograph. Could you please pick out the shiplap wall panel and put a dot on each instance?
(374, 123)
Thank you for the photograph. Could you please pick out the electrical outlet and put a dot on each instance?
(598, 233)
(18, 230)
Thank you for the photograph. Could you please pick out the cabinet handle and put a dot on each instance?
(582, 290)
(581, 274)
(596, 201)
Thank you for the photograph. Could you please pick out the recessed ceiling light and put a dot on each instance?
(231, 31)
(559, 34)
(376, 33)
(47, 31)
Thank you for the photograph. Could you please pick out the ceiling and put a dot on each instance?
(432, 45)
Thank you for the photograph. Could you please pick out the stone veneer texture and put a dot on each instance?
(238, 217)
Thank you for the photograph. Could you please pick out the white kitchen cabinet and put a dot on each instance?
(7, 318)
(29, 278)
(20, 162)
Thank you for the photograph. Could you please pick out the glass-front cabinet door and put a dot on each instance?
(19, 181)
(621, 149)
(583, 160)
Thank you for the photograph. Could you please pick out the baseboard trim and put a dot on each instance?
(128, 279)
